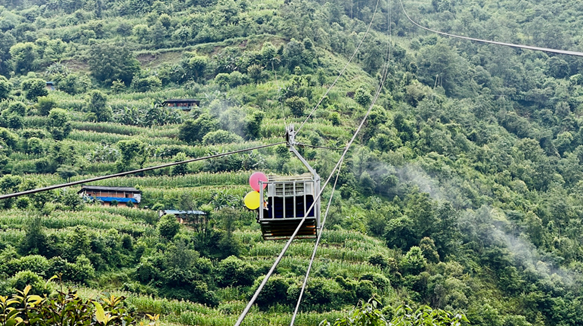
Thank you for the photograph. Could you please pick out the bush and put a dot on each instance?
(109, 62)
(194, 130)
(17, 108)
(22, 202)
(168, 226)
(34, 263)
(34, 88)
(297, 105)
(274, 291)
(221, 137)
(5, 88)
(234, 272)
(24, 278)
(146, 84)
(45, 105)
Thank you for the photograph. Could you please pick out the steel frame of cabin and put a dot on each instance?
(288, 201)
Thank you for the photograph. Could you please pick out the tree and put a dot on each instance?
(5, 88)
(268, 54)
(34, 145)
(35, 239)
(35, 88)
(180, 169)
(96, 103)
(23, 57)
(130, 149)
(221, 137)
(17, 108)
(67, 172)
(253, 124)
(58, 124)
(193, 131)
(7, 40)
(293, 53)
(440, 60)
(362, 97)
(297, 105)
(558, 67)
(197, 66)
(45, 105)
(255, 72)
(109, 62)
(124, 29)
(168, 226)
(74, 84)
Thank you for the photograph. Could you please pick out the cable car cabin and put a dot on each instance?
(288, 201)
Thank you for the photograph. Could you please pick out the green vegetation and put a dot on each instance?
(462, 192)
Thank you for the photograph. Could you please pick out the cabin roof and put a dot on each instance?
(185, 100)
(117, 199)
(177, 212)
(301, 177)
(111, 189)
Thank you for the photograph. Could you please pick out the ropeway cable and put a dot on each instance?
(315, 249)
(343, 69)
(527, 47)
(305, 283)
(288, 243)
(121, 174)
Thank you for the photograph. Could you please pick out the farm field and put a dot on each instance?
(460, 196)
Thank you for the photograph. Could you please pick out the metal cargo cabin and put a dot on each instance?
(289, 200)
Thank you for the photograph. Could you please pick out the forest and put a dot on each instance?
(461, 199)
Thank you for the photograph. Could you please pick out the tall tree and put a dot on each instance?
(109, 62)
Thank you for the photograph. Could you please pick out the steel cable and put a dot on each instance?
(121, 174)
(288, 243)
(527, 47)
(343, 69)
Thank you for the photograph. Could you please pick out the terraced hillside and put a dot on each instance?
(461, 192)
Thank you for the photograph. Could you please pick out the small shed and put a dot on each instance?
(107, 195)
(184, 216)
(186, 104)
(50, 86)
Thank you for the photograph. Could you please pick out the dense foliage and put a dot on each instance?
(463, 191)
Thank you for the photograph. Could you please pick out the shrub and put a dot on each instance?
(146, 84)
(5, 88)
(34, 88)
(24, 278)
(221, 137)
(22, 202)
(274, 291)
(168, 226)
(34, 263)
(234, 272)
(297, 105)
(194, 130)
(17, 108)
(45, 105)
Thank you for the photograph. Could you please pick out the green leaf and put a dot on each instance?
(100, 313)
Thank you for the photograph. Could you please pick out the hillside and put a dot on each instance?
(462, 192)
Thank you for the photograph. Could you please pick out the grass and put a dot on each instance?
(57, 220)
(175, 312)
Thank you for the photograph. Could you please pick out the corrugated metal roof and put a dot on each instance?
(177, 212)
(183, 100)
(102, 188)
(117, 199)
